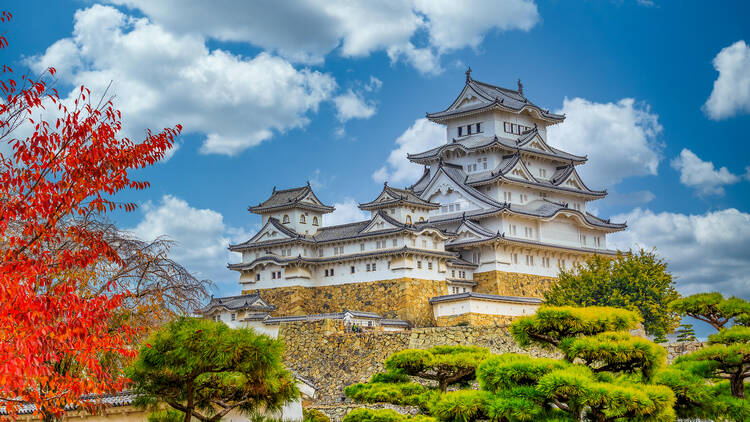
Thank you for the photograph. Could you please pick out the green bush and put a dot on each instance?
(461, 406)
(383, 415)
(314, 415)
(166, 415)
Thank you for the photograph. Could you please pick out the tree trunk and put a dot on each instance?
(443, 384)
(737, 382)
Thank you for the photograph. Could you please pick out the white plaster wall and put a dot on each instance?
(482, 306)
(487, 121)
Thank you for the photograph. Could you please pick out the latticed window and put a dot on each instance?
(286, 219)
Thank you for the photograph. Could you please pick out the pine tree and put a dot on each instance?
(686, 333)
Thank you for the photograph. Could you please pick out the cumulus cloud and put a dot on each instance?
(352, 105)
(308, 30)
(707, 252)
(620, 139)
(347, 211)
(201, 236)
(731, 92)
(421, 136)
(162, 78)
(702, 175)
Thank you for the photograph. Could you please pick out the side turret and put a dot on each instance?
(297, 209)
(400, 204)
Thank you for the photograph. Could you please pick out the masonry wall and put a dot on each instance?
(402, 298)
(512, 284)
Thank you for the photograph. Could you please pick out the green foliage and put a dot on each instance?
(166, 415)
(712, 308)
(404, 393)
(638, 281)
(551, 324)
(389, 377)
(445, 364)
(509, 370)
(686, 333)
(314, 415)
(383, 415)
(462, 406)
(616, 352)
(205, 369)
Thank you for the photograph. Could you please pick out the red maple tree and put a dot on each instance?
(55, 337)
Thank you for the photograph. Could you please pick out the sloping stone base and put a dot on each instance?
(512, 284)
(402, 298)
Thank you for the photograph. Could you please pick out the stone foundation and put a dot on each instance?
(402, 298)
(474, 320)
(512, 284)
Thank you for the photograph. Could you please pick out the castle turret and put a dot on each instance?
(298, 209)
(400, 204)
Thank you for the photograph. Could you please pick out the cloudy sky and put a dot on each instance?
(657, 94)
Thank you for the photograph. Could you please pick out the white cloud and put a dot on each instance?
(731, 93)
(421, 136)
(162, 78)
(619, 138)
(346, 211)
(707, 252)
(352, 105)
(702, 175)
(373, 85)
(308, 30)
(201, 236)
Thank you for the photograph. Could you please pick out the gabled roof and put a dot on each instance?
(302, 197)
(480, 143)
(456, 174)
(478, 96)
(392, 196)
(248, 302)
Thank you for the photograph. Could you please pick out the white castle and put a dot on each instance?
(495, 198)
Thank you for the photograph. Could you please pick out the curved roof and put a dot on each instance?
(393, 196)
(250, 302)
(493, 97)
(484, 296)
(291, 198)
(477, 143)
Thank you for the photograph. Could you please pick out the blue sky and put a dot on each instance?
(657, 93)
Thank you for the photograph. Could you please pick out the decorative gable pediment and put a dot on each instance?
(444, 190)
(468, 98)
(520, 171)
(378, 223)
(268, 233)
(573, 181)
(311, 199)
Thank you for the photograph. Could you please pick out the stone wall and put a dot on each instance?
(402, 298)
(512, 284)
(471, 318)
(332, 357)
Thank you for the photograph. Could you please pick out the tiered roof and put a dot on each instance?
(249, 302)
(492, 97)
(391, 196)
(302, 197)
(522, 143)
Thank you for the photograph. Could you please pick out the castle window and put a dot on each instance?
(468, 130)
(286, 219)
(460, 131)
(368, 267)
(479, 127)
(524, 198)
(429, 265)
(529, 260)
(424, 244)
(419, 265)
(273, 275)
(583, 239)
(462, 274)
(234, 317)
(543, 172)
(408, 219)
(315, 221)
(302, 219)
(374, 265)
(512, 229)
(331, 272)
(351, 269)
(528, 231)
(515, 258)
(320, 252)
(257, 277)
(394, 242)
(453, 273)
(508, 196)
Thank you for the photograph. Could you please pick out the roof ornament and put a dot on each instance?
(463, 217)
(495, 138)
(520, 86)
(468, 75)
(274, 189)
(385, 184)
(308, 183)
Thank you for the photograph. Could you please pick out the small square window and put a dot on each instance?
(419, 264)
(234, 317)
(351, 269)
(374, 266)
(368, 267)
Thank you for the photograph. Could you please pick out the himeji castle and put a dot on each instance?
(497, 212)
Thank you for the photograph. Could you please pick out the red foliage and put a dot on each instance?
(55, 336)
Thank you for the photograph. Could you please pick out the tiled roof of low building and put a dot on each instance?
(249, 302)
(484, 296)
(123, 398)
